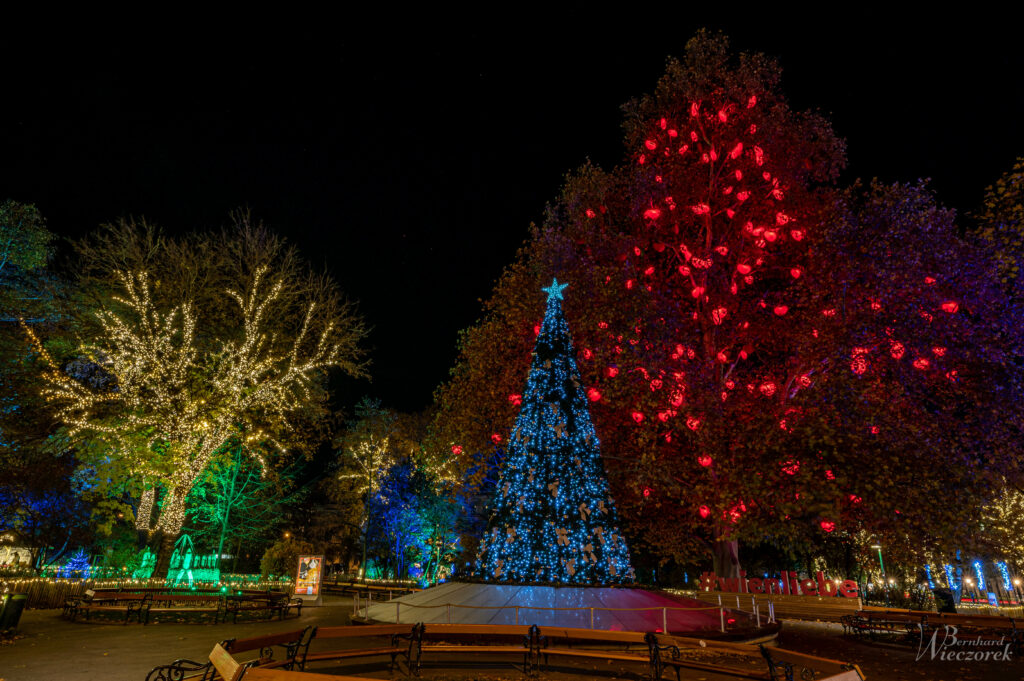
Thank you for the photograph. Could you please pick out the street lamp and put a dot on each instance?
(882, 565)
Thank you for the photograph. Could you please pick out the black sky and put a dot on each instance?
(408, 155)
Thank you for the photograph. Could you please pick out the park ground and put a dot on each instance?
(52, 649)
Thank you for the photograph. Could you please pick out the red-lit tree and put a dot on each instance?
(723, 206)
(912, 416)
(727, 322)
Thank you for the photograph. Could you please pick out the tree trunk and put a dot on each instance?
(229, 497)
(726, 554)
(172, 517)
(164, 541)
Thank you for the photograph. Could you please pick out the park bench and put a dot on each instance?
(921, 623)
(270, 603)
(295, 644)
(106, 603)
(655, 651)
(181, 606)
(72, 604)
(402, 638)
(477, 639)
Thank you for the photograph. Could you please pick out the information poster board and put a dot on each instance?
(307, 579)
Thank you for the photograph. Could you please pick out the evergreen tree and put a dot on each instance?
(553, 518)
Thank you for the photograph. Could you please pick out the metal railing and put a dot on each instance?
(361, 606)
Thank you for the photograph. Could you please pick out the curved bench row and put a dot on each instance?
(232, 660)
(144, 604)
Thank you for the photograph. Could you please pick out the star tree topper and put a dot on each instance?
(555, 290)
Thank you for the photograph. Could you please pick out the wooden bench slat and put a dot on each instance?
(356, 652)
(518, 650)
(255, 643)
(363, 631)
(264, 674)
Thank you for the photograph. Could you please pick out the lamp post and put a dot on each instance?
(882, 566)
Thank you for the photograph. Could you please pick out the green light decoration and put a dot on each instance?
(147, 562)
(553, 519)
(188, 568)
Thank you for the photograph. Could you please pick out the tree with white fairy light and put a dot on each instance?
(204, 338)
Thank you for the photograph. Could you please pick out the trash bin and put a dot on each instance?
(10, 612)
(944, 601)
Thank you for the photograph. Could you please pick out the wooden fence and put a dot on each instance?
(51, 593)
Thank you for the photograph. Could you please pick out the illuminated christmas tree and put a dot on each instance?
(553, 519)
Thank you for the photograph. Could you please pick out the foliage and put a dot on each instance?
(237, 500)
(413, 523)
(24, 238)
(1000, 221)
(1004, 522)
(282, 558)
(43, 503)
(374, 441)
(38, 499)
(735, 319)
(918, 346)
(199, 340)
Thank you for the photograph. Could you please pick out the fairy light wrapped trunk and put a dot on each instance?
(553, 519)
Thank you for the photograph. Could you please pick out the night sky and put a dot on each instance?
(410, 160)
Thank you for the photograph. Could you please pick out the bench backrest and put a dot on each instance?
(363, 631)
(258, 642)
(226, 666)
(599, 635)
(476, 630)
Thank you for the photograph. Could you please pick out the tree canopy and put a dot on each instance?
(750, 335)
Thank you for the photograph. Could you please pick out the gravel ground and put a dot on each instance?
(52, 649)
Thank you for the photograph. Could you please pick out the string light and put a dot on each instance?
(980, 574)
(951, 580)
(1004, 572)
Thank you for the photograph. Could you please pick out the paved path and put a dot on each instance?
(889, 661)
(54, 649)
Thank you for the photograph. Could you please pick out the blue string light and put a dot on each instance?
(1004, 572)
(953, 584)
(553, 519)
(928, 571)
(980, 574)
